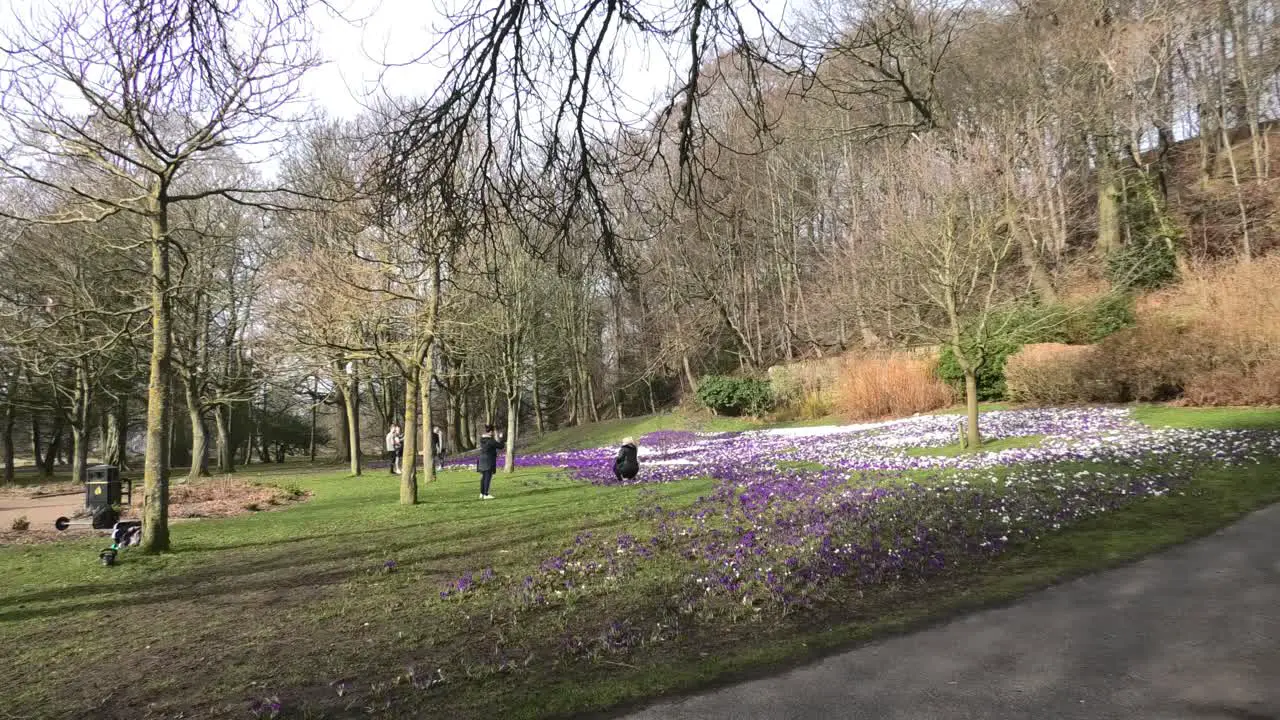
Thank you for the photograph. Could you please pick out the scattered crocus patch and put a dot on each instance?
(266, 708)
(467, 583)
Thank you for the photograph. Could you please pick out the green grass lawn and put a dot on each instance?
(611, 432)
(296, 604)
(982, 407)
(955, 449)
(1249, 418)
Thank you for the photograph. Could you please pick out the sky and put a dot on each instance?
(369, 31)
(354, 45)
(357, 37)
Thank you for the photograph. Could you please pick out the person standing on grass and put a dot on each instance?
(627, 465)
(395, 442)
(487, 461)
(437, 446)
(399, 449)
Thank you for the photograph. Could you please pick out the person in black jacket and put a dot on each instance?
(487, 461)
(627, 464)
(437, 446)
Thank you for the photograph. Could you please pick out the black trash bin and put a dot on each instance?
(102, 487)
(103, 492)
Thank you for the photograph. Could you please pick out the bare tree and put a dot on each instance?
(111, 104)
(949, 244)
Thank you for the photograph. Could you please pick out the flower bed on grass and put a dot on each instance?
(774, 538)
(1070, 435)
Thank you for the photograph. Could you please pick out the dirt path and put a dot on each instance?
(40, 511)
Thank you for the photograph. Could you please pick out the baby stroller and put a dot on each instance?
(124, 533)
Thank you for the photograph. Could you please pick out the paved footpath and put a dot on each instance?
(1193, 632)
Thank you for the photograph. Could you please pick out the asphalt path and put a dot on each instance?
(1192, 632)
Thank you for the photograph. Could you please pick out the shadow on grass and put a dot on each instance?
(311, 562)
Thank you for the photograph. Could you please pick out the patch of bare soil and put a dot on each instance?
(226, 497)
(209, 498)
(42, 490)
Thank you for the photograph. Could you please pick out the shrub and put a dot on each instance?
(805, 389)
(1232, 340)
(814, 405)
(1079, 323)
(1049, 373)
(1089, 322)
(21, 524)
(1146, 263)
(890, 384)
(1149, 362)
(991, 382)
(1259, 385)
(1212, 340)
(735, 396)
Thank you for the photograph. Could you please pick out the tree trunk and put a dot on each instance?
(446, 431)
(122, 435)
(513, 411)
(155, 473)
(688, 373)
(490, 406)
(199, 438)
(50, 460)
(424, 399)
(591, 399)
(264, 449)
(344, 432)
(315, 417)
(455, 421)
(1246, 245)
(81, 400)
(37, 442)
(1109, 194)
(222, 425)
(352, 398)
(1034, 264)
(116, 447)
(6, 437)
(80, 454)
(409, 464)
(468, 431)
(539, 421)
(973, 437)
(1248, 90)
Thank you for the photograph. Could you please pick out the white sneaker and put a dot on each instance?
(486, 497)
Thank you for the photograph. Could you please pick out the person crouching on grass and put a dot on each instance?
(627, 465)
(487, 461)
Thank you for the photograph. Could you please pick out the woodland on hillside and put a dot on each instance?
(881, 174)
